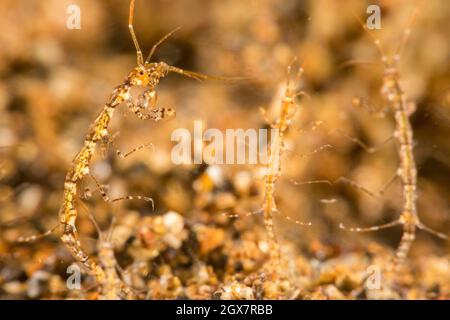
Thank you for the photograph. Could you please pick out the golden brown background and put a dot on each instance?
(53, 82)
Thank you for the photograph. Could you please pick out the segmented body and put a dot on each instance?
(269, 208)
(97, 132)
(407, 169)
(145, 75)
(273, 169)
(80, 168)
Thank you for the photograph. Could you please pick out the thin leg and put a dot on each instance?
(321, 148)
(370, 229)
(106, 141)
(123, 156)
(355, 185)
(300, 183)
(365, 190)
(94, 222)
(290, 219)
(388, 184)
(237, 215)
(106, 198)
(362, 144)
(313, 126)
(36, 236)
(423, 227)
(100, 233)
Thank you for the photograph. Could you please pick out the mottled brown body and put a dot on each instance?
(80, 168)
(407, 171)
(273, 169)
(147, 75)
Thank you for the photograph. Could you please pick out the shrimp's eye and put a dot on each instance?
(141, 73)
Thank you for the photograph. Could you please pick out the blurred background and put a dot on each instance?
(54, 81)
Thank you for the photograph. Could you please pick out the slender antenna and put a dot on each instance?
(376, 41)
(111, 228)
(406, 35)
(299, 75)
(201, 76)
(140, 58)
(159, 42)
(298, 78)
(288, 77)
(289, 71)
(194, 75)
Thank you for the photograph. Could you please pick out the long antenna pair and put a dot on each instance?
(140, 57)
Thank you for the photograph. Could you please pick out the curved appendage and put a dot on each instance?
(373, 228)
(364, 189)
(362, 144)
(35, 237)
(433, 232)
(290, 219)
(125, 155)
(300, 183)
(155, 46)
(106, 198)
